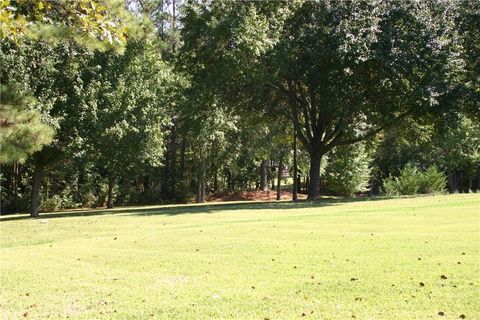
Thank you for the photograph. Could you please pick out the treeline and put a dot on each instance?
(143, 102)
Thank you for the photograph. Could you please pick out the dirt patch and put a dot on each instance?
(269, 195)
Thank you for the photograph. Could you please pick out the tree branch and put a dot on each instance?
(373, 132)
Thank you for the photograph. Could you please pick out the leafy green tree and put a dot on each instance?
(93, 23)
(458, 152)
(341, 72)
(34, 67)
(468, 23)
(351, 70)
(125, 114)
(90, 23)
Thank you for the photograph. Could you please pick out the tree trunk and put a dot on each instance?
(215, 179)
(182, 157)
(229, 181)
(263, 175)
(146, 183)
(162, 25)
(460, 183)
(452, 182)
(295, 181)
(111, 182)
(279, 179)
(172, 170)
(201, 183)
(36, 183)
(314, 184)
(15, 184)
(478, 180)
(174, 20)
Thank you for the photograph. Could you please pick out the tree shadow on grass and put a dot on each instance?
(171, 210)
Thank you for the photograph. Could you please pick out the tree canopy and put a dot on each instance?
(108, 102)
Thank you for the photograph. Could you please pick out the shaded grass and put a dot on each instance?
(247, 261)
(193, 208)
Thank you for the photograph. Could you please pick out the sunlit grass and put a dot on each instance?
(324, 260)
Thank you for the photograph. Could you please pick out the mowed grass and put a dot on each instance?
(363, 259)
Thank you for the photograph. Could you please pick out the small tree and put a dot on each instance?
(348, 170)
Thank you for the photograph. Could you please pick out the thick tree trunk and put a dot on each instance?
(201, 183)
(314, 184)
(264, 175)
(295, 181)
(36, 183)
(111, 182)
(279, 179)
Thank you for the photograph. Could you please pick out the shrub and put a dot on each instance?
(411, 181)
(407, 182)
(432, 181)
(89, 200)
(348, 171)
(52, 203)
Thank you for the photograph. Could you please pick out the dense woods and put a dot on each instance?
(107, 103)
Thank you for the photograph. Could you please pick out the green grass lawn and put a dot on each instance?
(410, 258)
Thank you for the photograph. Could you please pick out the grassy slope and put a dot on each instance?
(248, 261)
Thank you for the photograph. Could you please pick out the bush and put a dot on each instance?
(52, 203)
(348, 171)
(432, 181)
(62, 200)
(411, 181)
(89, 200)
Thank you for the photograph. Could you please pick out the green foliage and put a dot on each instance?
(432, 181)
(348, 170)
(412, 181)
(22, 130)
(125, 110)
(52, 204)
(98, 24)
(63, 199)
(246, 73)
(89, 199)
(459, 145)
